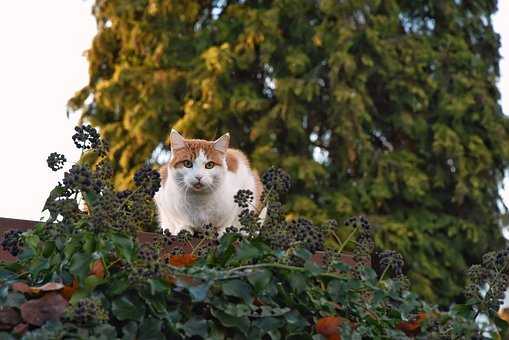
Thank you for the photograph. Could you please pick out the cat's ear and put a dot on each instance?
(176, 140)
(221, 144)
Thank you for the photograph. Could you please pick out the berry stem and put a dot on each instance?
(386, 269)
(194, 249)
(127, 199)
(352, 233)
(336, 237)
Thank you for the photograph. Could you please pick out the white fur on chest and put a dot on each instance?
(180, 209)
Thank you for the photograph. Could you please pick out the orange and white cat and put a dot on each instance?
(198, 184)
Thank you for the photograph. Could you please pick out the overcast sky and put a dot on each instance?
(41, 66)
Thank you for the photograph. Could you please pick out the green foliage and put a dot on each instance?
(385, 108)
(245, 286)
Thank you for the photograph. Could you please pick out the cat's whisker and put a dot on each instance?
(187, 202)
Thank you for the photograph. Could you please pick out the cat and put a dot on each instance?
(198, 184)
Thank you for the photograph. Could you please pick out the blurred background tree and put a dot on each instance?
(387, 108)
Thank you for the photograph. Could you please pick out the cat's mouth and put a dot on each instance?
(198, 186)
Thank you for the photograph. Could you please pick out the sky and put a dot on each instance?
(42, 64)
(502, 27)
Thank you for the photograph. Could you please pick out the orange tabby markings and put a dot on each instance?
(232, 162)
(192, 148)
(258, 190)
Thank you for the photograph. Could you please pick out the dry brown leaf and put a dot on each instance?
(185, 260)
(49, 307)
(257, 302)
(413, 327)
(21, 287)
(9, 318)
(97, 269)
(169, 279)
(48, 287)
(503, 313)
(20, 329)
(26, 289)
(329, 326)
(68, 291)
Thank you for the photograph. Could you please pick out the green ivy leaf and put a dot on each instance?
(118, 285)
(4, 291)
(124, 246)
(198, 292)
(226, 249)
(150, 329)
(238, 288)
(259, 279)
(89, 242)
(128, 308)
(268, 324)
(79, 294)
(26, 254)
(156, 303)
(71, 247)
(465, 311)
(196, 326)
(32, 241)
(157, 286)
(342, 267)
(6, 274)
(39, 264)
(92, 281)
(106, 332)
(14, 299)
(6, 336)
(130, 331)
(299, 336)
(80, 265)
(296, 322)
(312, 268)
(245, 251)
(90, 198)
(303, 253)
(274, 334)
(298, 281)
(56, 192)
(240, 323)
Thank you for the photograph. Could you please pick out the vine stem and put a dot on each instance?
(21, 274)
(282, 266)
(112, 263)
(267, 265)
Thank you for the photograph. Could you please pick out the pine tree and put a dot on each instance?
(387, 108)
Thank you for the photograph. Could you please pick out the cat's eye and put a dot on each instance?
(209, 165)
(187, 163)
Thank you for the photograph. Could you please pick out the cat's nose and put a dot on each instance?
(198, 178)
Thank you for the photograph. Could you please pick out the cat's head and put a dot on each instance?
(198, 165)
